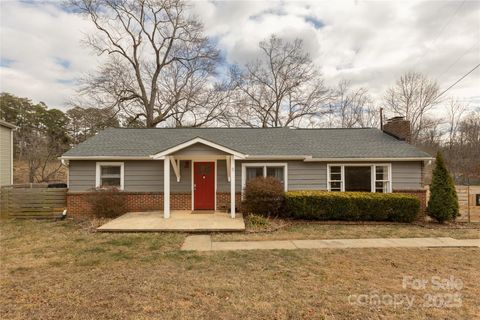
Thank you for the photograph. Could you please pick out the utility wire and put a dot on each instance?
(463, 77)
(458, 59)
(440, 33)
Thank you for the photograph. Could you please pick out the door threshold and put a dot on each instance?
(203, 211)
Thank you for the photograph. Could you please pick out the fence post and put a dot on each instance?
(468, 202)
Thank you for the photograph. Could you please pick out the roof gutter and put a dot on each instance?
(267, 157)
(103, 158)
(310, 159)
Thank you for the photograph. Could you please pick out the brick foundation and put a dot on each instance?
(77, 202)
(223, 201)
(422, 196)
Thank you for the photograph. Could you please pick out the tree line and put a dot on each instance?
(160, 70)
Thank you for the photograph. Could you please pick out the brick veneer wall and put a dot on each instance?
(422, 196)
(77, 202)
(223, 200)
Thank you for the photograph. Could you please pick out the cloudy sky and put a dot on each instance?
(370, 43)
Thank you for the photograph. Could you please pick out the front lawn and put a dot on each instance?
(60, 270)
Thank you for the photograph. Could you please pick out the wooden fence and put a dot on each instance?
(469, 210)
(32, 201)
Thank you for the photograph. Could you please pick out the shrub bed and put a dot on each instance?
(351, 206)
(264, 196)
(107, 202)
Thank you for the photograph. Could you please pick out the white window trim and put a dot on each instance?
(98, 171)
(265, 165)
(372, 175)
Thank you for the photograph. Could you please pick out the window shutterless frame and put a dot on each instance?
(264, 165)
(98, 172)
(373, 171)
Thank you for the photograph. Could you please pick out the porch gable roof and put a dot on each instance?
(188, 143)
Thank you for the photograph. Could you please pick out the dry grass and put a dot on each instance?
(278, 229)
(60, 270)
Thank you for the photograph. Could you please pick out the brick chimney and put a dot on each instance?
(399, 128)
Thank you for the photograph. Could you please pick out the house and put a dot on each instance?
(207, 168)
(6, 153)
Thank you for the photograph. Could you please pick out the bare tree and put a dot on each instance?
(352, 108)
(158, 61)
(413, 96)
(281, 88)
(455, 111)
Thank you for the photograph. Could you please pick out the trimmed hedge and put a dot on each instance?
(352, 206)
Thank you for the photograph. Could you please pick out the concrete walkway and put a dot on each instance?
(205, 243)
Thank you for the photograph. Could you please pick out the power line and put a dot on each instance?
(463, 77)
(441, 32)
(458, 59)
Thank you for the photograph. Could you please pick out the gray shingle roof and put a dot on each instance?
(318, 143)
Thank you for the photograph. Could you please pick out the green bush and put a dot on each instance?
(351, 206)
(107, 202)
(264, 196)
(443, 203)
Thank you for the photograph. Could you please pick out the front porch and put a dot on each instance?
(179, 220)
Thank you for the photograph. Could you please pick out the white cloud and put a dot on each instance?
(370, 43)
(41, 44)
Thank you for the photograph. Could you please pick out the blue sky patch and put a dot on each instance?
(317, 23)
(5, 62)
(63, 62)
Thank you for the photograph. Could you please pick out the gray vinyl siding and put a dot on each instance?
(222, 180)
(81, 175)
(199, 149)
(407, 175)
(147, 176)
(5, 156)
(143, 176)
(185, 184)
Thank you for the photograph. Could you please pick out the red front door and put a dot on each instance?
(204, 186)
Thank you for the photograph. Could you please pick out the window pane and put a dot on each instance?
(110, 182)
(253, 172)
(110, 170)
(335, 186)
(336, 176)
(380, 186)
(276, 172)
(335, 169)
(358, 179)
(381, 173)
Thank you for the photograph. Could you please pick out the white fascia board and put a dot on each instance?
(275, 157)
(366, 159)
(194, 141)
(103, 158)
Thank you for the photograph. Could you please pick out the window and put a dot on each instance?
(335, 178)
(253, 170)
(109, 174)
(359, 177)
(382, 179)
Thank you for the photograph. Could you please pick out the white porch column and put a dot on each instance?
(232, 187)
(166, 187)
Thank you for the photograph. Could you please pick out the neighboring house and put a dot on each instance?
(200, 169)
(6, 153)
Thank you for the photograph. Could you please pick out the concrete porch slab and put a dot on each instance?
(185, 221)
